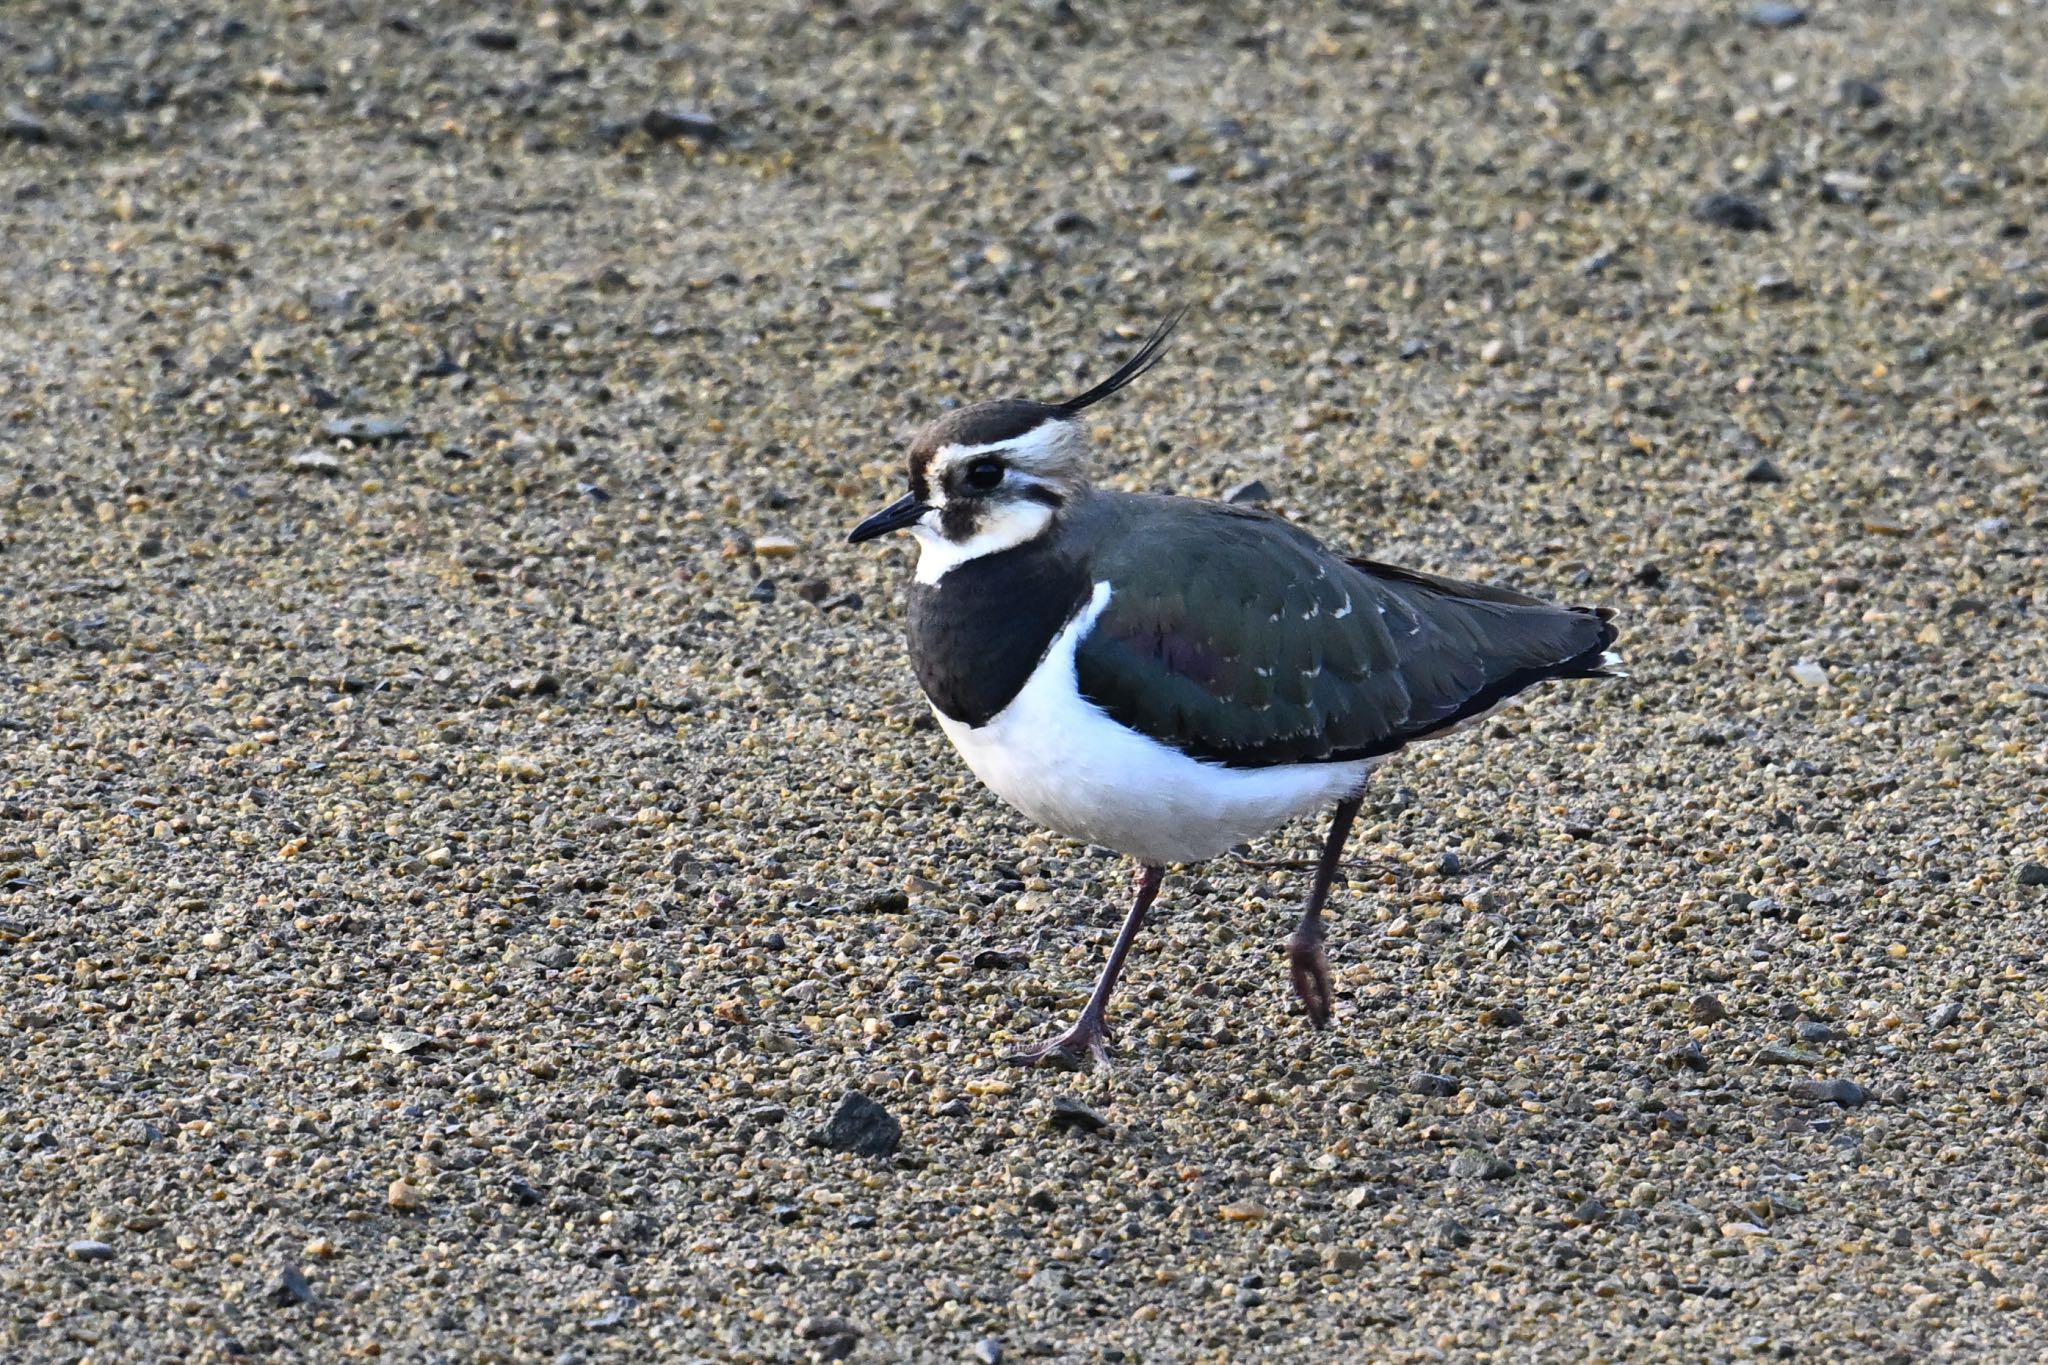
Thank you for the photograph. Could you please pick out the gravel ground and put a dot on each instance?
(466, 821)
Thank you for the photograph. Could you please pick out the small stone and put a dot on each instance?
(290, 1288)
(863, 1127)
(496, 39)
(1184, 176)
(774, 547)
(1342, 1259)
(1859, 94)
(2033, 874)
(1242, 1212)
(1807, 673)
(20, 125)
(1775, 15)
(86, 1249)
(1814, 1031)
(1432, 1084)
(1502, 1016)
(1069, 220)
(1450, 864)
(1783, 1054)
(405, 1042)
(1941, 1016)
(1250, 493)
(1496, 352)
(1763, 471)
(1707, 1009)
(559, 958)
(1731, 211)
(403, 1196)
(1450, 1234)
(814, 590)
(2036, 328)
(1847, 1094)
(315, 462)
(1072, 1116)
(818, 1326)
(998, 960)
(1776, 284)
(988, 1351)
(1413, 348)
(692, 124)
(368, 430)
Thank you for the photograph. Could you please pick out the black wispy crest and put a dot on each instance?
(1148, 355)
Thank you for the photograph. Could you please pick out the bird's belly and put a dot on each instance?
(1064, 763)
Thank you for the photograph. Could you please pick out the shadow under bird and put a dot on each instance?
(1168, 677)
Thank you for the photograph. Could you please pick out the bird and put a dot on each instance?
(1169, 677)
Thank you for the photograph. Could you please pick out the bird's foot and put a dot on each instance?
(1086, 1043)
(1310, 969)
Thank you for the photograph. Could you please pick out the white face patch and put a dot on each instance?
(1003, 526)
(1045, 458)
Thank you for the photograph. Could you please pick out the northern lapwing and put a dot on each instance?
(1168, 677)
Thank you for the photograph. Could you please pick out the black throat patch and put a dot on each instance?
(977, 633)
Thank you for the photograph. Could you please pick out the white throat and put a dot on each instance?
(1005, 528)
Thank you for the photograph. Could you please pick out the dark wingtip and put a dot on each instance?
(1148, 355)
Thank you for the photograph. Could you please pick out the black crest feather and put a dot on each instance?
(1148, 355)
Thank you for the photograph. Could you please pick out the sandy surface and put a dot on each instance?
(451, 871)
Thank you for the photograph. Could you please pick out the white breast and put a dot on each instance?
(1064, 763)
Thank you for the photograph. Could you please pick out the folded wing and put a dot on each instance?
(1264, 648)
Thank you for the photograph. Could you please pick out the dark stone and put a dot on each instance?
(2033, 874)
(998, 960)
(290, 1289)
(1070, 220)
(862, 1127)
(1430, 1083)
(1250, 493)
(1860, 94)
(1763, 471)
(1847, 1094)
(496, 40)
(1731, 211)
(693, 124)
(2037, 327)
(1941, 1016)
(1072, 1116)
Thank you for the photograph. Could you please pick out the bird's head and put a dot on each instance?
(992, 476)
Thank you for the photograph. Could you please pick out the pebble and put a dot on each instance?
(1707, 1009)
(2033, 874)
(988, 1351)
(1807, 673)
(403, 1196)
(692, 125)
(1243, 1211)
(862, 1127)
(1783, 1054)
(1073, 1116)
(86, 1249)
(1941, 1016)
(775, 547)
(290, 1288)
(368, 430)
(1430, 1083)
(315, 462)
(1847, 1094)
(1727, 210)
(1775, 15)
(1250, 493)
(1763, 471)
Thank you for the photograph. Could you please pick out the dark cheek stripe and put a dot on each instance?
(959, 518)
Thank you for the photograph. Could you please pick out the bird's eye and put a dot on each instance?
(984, 474)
